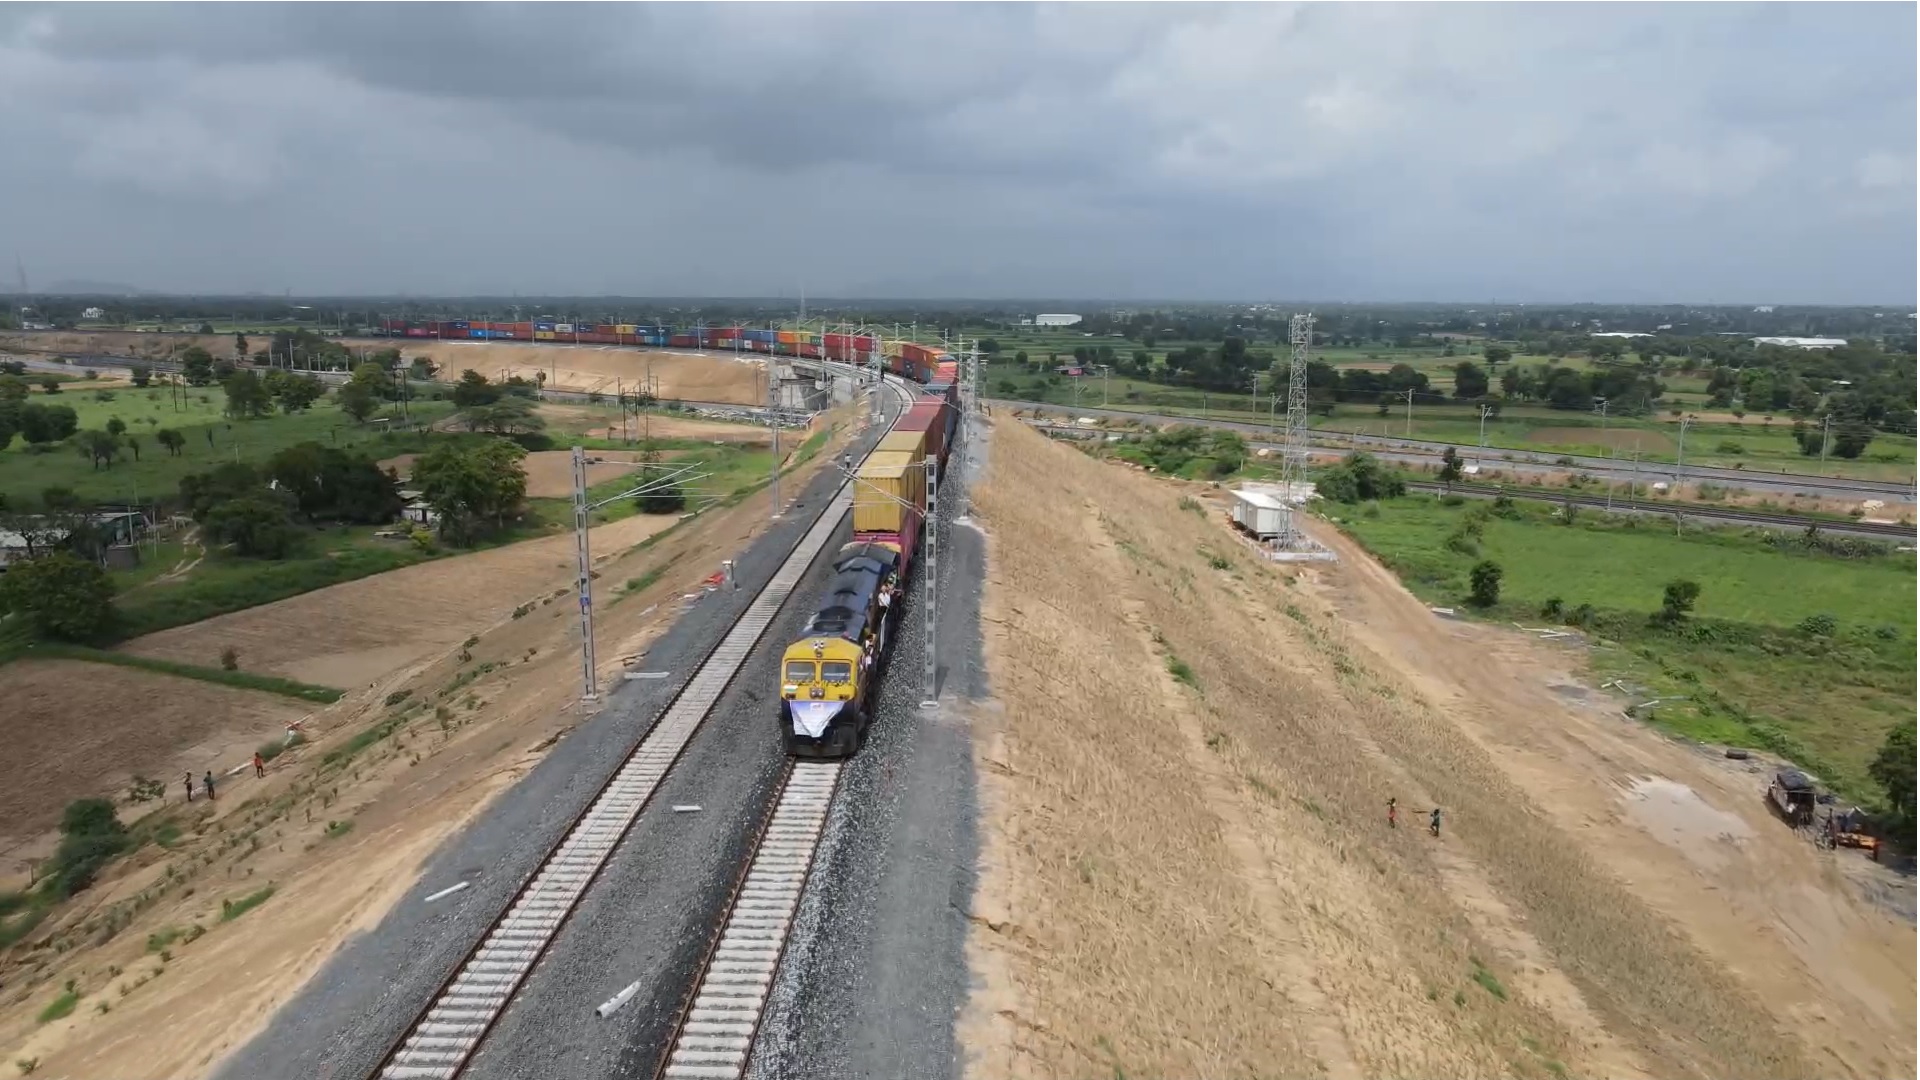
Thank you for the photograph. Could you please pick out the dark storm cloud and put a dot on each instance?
(1341, 151)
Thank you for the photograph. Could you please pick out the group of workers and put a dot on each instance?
(206, 781)
(1393, 817)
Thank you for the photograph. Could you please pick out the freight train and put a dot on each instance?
(830, 674)
(904, 358)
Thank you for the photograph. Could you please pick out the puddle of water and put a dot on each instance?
(1676, 815)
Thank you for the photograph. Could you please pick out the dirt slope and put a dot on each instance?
(1188, 870)
(1686, 827)
(347, 634)
(75, 728)
(476, 720)
(716, 376)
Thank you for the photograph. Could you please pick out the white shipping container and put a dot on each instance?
(563, 328)
(1258, 513)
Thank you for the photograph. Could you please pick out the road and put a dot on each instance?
(1419, 451)
(1783, 522)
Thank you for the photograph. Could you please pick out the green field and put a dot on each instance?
(1753, 443)
(211, 438)
(1754, 672)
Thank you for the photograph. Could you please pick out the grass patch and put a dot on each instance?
(348, 750)
(60, 1007)
(644, 581)
(233, 909)
(1181, 672)
(224, 584)
(338, 828)
(322, 695)
(1487, 980)
(273, 748)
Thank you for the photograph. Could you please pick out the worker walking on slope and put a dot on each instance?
(1393, 813)
(207, 782)
(259, 765)
(1434, 825)
(189, 787)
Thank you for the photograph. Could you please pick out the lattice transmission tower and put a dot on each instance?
(1293, 439)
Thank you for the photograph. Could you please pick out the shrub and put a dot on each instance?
(90, 836)
(1485, 583)
(1818, 625)
(229, 659)
(1551, 609)
(666, 500)
(1677, 600)
(1360, 478)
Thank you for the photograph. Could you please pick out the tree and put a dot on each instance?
(13, 388)
(50, 384)
(474, 389)
(255, 524)
(41, 423)
(247, 396)
(133, 444)
(197, 364)
(510, 415)
(1850, 438)
(206, 329)
(294, 392)
(1496, 355)
(116, 427)
(98, 446)
(170, 439)
(1020, 358)
(357, 400)
(202, 492)
(1469, 381)
(140, 373)
(60, 594)
(1677, 600)
(1893, 769)
(421, 368)
(1360, 478)
(325, 482)
(1484, 583)
(239, 344)
(472, 484)
(1450, 469)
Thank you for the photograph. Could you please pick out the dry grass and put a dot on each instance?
(1197, 879)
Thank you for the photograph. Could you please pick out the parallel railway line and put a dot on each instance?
(443, 1037)
(1892, 530)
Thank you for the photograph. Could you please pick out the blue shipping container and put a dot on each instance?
(457, 325)
(543, 326)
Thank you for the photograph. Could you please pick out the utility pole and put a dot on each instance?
(1409, 412)
(1680, 459)
(930, 586)
(1826, 430)
(584, 563)
(773, 421)
(1485, 411)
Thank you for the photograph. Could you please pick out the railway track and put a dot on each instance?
(1717, 513)
(445, 1034)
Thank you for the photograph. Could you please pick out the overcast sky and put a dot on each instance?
(1609, 152)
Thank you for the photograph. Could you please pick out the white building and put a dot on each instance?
(1056, 320)
(1620, 333)
(94, 313)
(1802, 342)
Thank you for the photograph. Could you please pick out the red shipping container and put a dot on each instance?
(683, 341)
(929, 416)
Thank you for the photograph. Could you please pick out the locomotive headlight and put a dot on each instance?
(819, 649)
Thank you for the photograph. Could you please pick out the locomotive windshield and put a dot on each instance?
(799, 671)
(836, 671)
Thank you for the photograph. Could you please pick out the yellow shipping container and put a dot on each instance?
(626, 328)
(790, 337)
(885, 481)
(543, 335)
(913, 443)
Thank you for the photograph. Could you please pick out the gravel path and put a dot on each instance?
(363, 999)
(876, 972)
